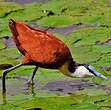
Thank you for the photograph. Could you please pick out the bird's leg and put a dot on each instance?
(5, 73)
(30, 81)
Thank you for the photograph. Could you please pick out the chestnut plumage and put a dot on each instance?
(39, 47)
(43, 49)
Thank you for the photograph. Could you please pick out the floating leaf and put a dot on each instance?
(56, 21)
(2, 45)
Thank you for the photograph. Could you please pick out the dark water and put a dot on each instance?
(69, 87)
(8, 41)
(66, 30)
(19, 85)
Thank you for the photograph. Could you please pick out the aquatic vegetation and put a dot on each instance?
(89, 42)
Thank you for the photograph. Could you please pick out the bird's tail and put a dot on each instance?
(14, 28)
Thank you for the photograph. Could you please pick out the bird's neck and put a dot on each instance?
(64, 69)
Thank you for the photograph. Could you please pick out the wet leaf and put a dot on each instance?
(23, 14)
(7, 7)
(56, 21)
(2, 45)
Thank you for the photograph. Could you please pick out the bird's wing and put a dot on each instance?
(40, 46)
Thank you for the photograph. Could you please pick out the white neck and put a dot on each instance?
(81, 71)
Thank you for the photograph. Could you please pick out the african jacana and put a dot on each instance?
(43, 49)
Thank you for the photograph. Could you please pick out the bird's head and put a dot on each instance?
(80, 70)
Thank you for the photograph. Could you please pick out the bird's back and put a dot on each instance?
(40, 47)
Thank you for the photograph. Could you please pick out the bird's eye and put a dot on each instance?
(86, 65)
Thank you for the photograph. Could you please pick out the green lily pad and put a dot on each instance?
(65, 6)
(56, 21)
(85, 106)
(93, 92)
(2, 45)
(84, 54)
(23, 15)
(7, 7)
(10, 107)
(4, 28)
(9, 56)
(90, 35)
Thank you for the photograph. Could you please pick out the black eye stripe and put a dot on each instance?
(91, 71)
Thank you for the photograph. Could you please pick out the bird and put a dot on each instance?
(44, 50)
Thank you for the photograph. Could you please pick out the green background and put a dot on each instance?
(85, 26)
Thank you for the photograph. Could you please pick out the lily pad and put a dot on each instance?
(11, 57)
(2, 45)
(90, 35)
(23, 15)
(56, 21)
(6, 8)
